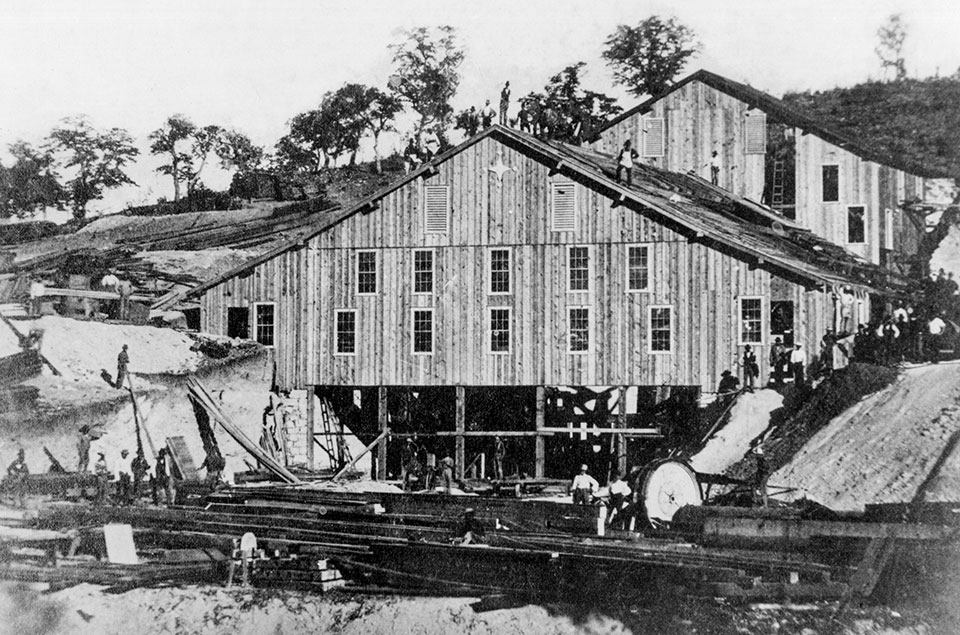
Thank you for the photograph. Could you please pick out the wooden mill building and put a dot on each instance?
(756, 146)
(478, 296)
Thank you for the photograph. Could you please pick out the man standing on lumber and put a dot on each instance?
(18, 472)
(583, 487)
(124, 483)
(83, 448)
(123, 359)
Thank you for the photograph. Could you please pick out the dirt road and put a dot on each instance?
(882, 449)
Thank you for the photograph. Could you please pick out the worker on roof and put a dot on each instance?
(504, 104)
(583, 487)
(625, 161)
(487, 114)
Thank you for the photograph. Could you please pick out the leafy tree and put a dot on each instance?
(238, 152)
(568, 112)
(203, 142)
(427, 76)
(378, 113)
(170, 140)
(96, 160)
(648, 57)
(30, 185)
(890, 49)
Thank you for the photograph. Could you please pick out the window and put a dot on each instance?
(264, 325)
(638, 268)
(578, 330)
(346, 332)
(755, 132)
(423, 272)
(238, 322)
(366, 273)
(500, 330)
(578, 267)
(422, 331)
(751, 320)
(653, 137)
(660, 329)
(563, 205)
(856, 227)
(436, 208)
(500, 271)
(831, 183)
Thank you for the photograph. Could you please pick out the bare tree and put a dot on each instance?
(890, 49)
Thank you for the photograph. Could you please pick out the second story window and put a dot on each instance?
(578, 268)
(578, 330)
(856, 225)
(423, 271)
(831, 183)
(500, 271)
(660, 329)
(367, 272)
(346, 332)
(638, 268)
(422, 331)
(500, 330)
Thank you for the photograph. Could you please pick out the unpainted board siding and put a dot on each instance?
(698, 119)
(701, 284)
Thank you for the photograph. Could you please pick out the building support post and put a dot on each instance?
(311, 424)
(541, 453)
(383, 419)
(621, 439)
(461, 420)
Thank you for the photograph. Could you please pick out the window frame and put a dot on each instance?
(256, 323)
(589, 330)
(889, 221)
(649, 329)
(863, 222)
(336, 332)
(376, 272)
(646, 247)
(554, 185)
(509, 271)
(587, 249)
(433, 271)
(823, 190)
(740, 321)
(509, 330)
(446, 209)
(413, 330)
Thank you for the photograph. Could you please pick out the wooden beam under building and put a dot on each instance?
(311, 424)
(540, 450)
(383, 420)
(461, 421)
(621, 439)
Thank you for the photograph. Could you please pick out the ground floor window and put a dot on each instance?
(265, 323)
(751, 320)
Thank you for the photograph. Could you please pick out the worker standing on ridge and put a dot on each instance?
(18, 472)
(504, 103)
(798, 364)
(750, 368)
(123, 360)
(83, 448)
(625, 161)
(487, 115)
(583, 487)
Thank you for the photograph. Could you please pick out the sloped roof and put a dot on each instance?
(686, 203)
(780, 112)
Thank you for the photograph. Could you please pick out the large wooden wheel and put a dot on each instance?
(668, 486)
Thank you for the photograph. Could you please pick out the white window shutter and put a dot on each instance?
(437, 208)
(654, 142)
(564, 206)
(755, 129)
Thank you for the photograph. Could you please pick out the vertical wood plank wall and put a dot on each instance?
(701, 284)
(700, 119)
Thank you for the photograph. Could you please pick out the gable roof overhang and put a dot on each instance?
(754, 242)
(780, 112)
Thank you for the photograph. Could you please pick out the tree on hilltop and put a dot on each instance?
(427, 76)
(170, 140)
(890, 49)
(647, 58)
(94, 159)
(30, 185)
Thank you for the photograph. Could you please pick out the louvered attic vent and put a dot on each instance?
(755, 126)
(563, 204)
(653, 137)
(437, 208)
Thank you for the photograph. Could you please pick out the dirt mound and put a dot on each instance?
(883, 448)
(748, 419)
(828, 400)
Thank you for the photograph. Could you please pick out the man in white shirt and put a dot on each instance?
(619, 499)
(798, 364)
(935, 327)
(123, 471)
(583, 487)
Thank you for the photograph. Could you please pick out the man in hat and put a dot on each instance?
(124, 472)
(447, 474)
(409, 463)
(728, 384)
(161, 479)
(123, 359)
(798, 365)
(18, 472)
(469, 531)
(583, 487)
(777, 353)
(83, 448)
(102, 473)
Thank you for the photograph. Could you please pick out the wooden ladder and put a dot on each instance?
(332, 441)
(776, 199)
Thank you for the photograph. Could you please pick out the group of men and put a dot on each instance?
(620, 503)
(427, 473)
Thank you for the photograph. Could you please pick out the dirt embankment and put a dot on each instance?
(883, 448)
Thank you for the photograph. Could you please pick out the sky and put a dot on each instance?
(254, 65)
